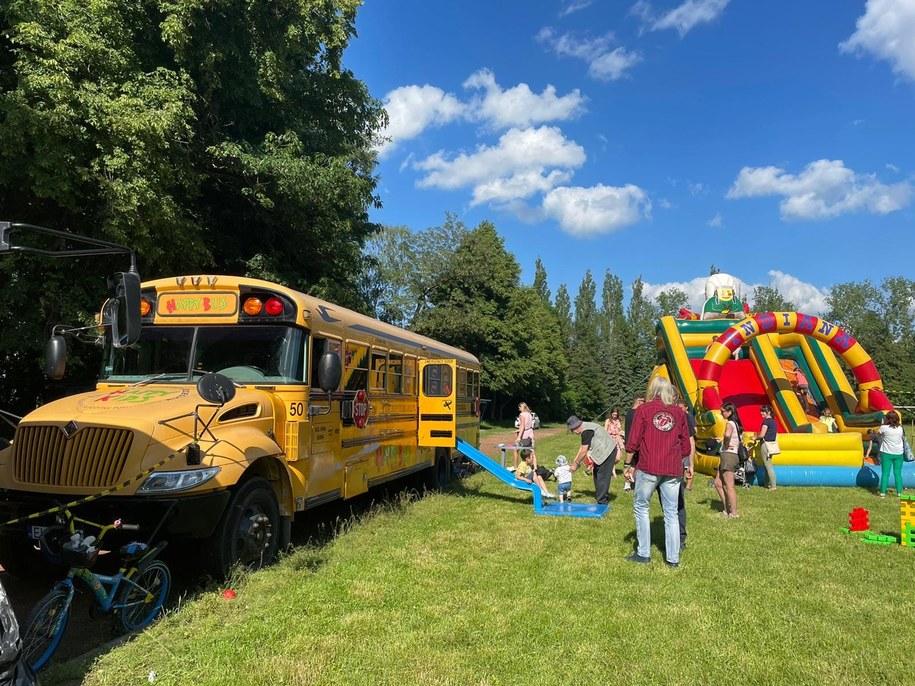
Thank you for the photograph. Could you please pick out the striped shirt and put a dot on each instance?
(660, 434)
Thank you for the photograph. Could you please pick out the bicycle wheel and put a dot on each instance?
(45, 627)
(140, 602)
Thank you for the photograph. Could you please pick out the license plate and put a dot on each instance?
(36, 531)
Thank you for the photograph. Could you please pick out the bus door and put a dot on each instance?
(437, 403)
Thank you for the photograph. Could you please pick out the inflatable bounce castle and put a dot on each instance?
(789, 361)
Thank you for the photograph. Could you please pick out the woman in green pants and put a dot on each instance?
(891, 449)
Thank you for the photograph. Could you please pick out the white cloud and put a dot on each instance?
(523, 162)
(808, 298)
(886, 30)
(696, 188)
(612, 66)
(665, 203)
(683, 18)
(825, 189)
(857, 122)
(596, 210)
(412, 109)
(518, 106)
(604, 64)
(892, 167)
(572, 6)
(715, 221)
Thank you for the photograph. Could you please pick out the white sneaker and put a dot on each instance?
(627, 487)
(547, 494)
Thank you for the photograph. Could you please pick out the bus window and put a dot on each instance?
(395, 373)
(319, 346)
(409, 376)
(437, 381)
(462, 383)
(356, 367)
(379, 368)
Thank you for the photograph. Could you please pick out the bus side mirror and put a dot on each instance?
(216, 389)
(55, 358)
(330, 371)
(122, 311)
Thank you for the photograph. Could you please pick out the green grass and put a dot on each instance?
(470, 587)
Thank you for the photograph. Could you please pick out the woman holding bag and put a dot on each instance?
(768, 444)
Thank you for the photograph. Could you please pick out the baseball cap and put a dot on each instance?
(561, 461)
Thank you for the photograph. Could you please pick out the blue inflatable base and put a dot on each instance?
(862, 477)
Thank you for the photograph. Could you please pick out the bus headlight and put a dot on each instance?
(169, 482)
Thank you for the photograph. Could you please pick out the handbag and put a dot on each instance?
(772, 448)
(907, 453)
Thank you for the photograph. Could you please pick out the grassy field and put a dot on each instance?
(469, 587)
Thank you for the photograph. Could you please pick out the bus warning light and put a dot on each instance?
(274, 306)
(253, 307)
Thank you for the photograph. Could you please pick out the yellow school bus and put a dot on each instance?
(230, 476)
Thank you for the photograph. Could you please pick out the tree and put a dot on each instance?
(564, 314)
(586, 392)
(671, 301)
(769, 299)
(225, 136)
(614, 336)
(540, 285)
(478, 304)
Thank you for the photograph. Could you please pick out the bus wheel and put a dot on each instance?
(248, 533)
(438, 476)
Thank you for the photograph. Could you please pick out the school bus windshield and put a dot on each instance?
(246, 354)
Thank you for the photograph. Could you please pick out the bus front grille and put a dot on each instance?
(92, 457)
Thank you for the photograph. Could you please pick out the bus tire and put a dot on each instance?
(438, 476)
(248, 533)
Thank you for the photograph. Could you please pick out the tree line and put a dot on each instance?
(584, 354)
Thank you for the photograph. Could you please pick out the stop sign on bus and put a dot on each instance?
(360, 409)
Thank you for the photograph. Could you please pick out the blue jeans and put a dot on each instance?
(668, 487)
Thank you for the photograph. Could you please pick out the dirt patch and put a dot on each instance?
(489, 445)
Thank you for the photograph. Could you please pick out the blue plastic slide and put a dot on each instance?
(541, 507)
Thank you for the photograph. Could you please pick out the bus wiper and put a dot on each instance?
(156, 377)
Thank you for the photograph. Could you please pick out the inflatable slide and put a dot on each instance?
(791, 362)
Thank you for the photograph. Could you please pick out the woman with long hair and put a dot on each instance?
(891, 451)
(727, 464)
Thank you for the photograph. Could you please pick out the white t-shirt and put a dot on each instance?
(563, 474)
(891, 439)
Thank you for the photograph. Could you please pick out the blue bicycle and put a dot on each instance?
(136, 594)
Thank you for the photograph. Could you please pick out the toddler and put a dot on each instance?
(563, 474)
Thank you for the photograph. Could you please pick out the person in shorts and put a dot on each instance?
(528, 472)
(728, 461)
(563, 474)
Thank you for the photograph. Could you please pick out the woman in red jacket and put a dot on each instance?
(660, 435)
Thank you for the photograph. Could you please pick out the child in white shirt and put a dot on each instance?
(563, 474)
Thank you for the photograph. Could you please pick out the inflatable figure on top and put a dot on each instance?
(721, 298)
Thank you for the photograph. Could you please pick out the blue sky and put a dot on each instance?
(773, 139)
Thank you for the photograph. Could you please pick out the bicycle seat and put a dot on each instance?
(133, 551)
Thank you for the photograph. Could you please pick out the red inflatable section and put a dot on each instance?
(740, 384)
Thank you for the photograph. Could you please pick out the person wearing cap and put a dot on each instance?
(563, 474)
(660, 434)
(602, 448)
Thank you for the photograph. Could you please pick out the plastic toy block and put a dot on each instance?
(871, 540)
(879, 538)
(910, 498)
(858, 519)
(844, 530)
(908, 535)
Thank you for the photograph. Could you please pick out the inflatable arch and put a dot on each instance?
(870, 386)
